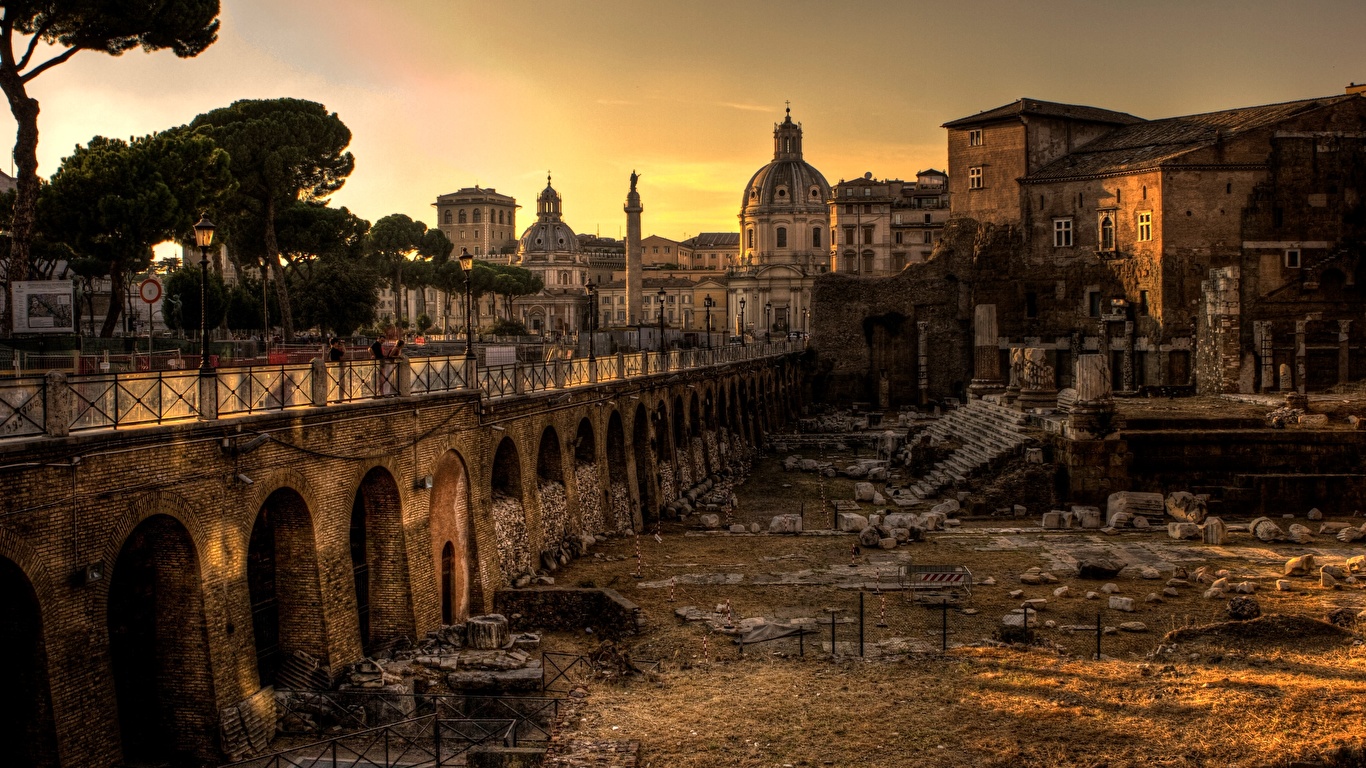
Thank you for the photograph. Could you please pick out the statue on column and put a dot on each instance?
(634, 177)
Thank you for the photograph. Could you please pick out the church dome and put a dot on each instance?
(549, 234)
(789, 182)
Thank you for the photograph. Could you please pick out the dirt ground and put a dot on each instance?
(1231, 697)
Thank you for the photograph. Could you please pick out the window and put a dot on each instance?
(928, 219)
(666, 249)
(849, 210)
(621, 315)
(929, 236)
(1031, 305)
(1143, 303)
(1145, 226)
(867, 235)
(867, 192)
(848, 235)
(975, 177)
(896, 218)
(656, 249)
(815, 238)
(478, 215)
(867, 208)
(782, 237)
(448, 217)
(1062, 233)
(1107, 232)
(749, 237)
(500, 217)
(848, 192)
(975, 137)
(1093, 302)
(462, 215)
(1292, 258)
(897, 237)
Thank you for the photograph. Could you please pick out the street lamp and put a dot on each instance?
(768, 324)
(805, 311)
(661, 323)
(740, 321)
(708, 303)
(203, 237)
(592, 319)
(467, 266)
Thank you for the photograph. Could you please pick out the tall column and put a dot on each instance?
(1301, 327)
(1129, 384)
(986, 362)
(634, 296)
(1262, 335)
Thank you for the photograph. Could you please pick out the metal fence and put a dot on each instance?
(419, 742)
(317, 712)
(114, 400)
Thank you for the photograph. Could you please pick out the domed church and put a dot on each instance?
(784, 239)
(550, 249)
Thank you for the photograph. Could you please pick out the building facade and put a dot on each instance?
(550, 249)
(880, 226)
(710, 250)
(784, 239)
(480, 220)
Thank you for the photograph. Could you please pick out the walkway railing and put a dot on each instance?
(59, 404)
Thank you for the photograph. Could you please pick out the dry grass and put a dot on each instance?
(1256, 700)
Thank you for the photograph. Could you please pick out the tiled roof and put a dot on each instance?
(714, 240)
(1028, 106)
(1149, 144)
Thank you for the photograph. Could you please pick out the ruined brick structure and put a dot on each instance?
(1202, 251)
(157, 581)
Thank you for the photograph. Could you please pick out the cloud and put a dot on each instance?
(745, 107)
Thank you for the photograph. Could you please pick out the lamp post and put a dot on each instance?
(708, 304)
(661, 295)
(805, 311)
(768, 324)
(203, 237)
(741, 321)
(467, 266)
(592, 319)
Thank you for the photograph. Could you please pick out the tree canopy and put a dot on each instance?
(112, 200)
(396, 241)
(186, 27)
(284, 151)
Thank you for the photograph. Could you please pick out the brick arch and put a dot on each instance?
(283, 573)
(389, 464)
(642, 425)
(282, 478)
(30, 719)
(172, 505)
(451, 520)
(379, 561)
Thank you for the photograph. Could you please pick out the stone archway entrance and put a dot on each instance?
(26, 725)
(379, 563)
(282, 578)
(453, 539)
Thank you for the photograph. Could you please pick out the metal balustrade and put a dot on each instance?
(114, 400)
(420, 741)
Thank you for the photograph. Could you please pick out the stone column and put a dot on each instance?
(1013, 381)
(1037, 381)
(634, 296)
(1344, 360)
(1128, 372)
(208, 396)
(1301, 326)
(1094, 409)
(405, 377)
(986, 368)
(922, 360)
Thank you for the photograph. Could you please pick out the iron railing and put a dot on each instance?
(419, 741)
(114, 400)
(318, 712)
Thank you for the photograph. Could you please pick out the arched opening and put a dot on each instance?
(619, 495)
(379, 562)
(699, 448)
(282, 579)
(26, 724)
(555, 523)
(664, 456)
(158, 647)
(592, 501)
(686, 475)
(452, 526)
(509, 517)
(642, 447)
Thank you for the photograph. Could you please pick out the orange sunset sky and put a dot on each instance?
(445, 94)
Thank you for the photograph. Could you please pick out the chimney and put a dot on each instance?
(1353, 88)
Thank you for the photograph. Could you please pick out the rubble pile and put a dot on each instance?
(554, 511)
(621, 508)
(591, 512)
(685, 476)
(509, 523)
(699, 458)
(666, 480)
(713, 451)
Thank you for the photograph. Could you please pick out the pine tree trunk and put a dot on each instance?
(273, 266)
(111, 318)
(399, 303)
(25, 111)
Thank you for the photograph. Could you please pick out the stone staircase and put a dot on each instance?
(987, 433)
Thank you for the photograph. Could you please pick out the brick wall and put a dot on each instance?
(294, 494)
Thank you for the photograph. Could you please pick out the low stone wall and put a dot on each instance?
(569, 609)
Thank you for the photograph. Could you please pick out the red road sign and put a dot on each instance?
(150, 290)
